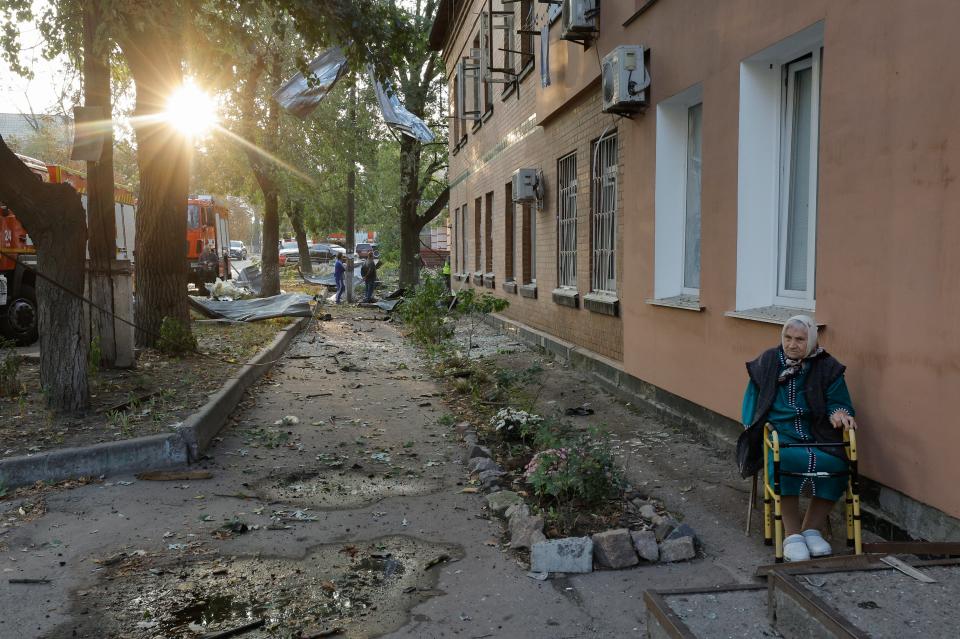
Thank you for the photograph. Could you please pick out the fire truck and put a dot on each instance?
(18, 257)
(208, 235)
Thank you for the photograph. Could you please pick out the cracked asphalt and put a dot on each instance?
(366, 457)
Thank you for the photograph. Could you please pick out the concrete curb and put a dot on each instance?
(153, 451)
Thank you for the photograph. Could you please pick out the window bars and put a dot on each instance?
(603, 276)
(567, 221)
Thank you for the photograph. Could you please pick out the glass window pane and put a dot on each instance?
(798, 212)
(691, 239)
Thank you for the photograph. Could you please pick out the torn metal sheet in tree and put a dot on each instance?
(287, 305)
(395, 114)
(301, 95)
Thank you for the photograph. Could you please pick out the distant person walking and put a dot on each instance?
(369, 274)
(339, 269)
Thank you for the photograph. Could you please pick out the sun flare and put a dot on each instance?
(191, 111)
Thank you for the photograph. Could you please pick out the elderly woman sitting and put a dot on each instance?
(799, 389)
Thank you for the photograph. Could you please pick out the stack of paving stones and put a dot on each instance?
(660, 539)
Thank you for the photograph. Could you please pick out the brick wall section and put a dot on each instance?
(488, 159)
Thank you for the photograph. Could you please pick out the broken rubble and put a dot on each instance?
(481, 464)
(614, 549)
(678, 549)
(499, 502)
(683, 530)
(663, 526)
(645, 543)
(570, 555)
(480, 451)
(648, 512)
(525, 530)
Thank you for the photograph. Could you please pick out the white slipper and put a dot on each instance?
(816, 544)
(795, 548)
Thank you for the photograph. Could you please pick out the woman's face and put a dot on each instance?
(795, 342)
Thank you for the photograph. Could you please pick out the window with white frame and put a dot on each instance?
(567, 222)
(777, 174)
(677, 195)
(605, 172)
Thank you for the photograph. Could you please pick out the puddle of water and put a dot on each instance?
(347, 490)
(366, 589)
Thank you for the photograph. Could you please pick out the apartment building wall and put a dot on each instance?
(886, 214)
(508, 139)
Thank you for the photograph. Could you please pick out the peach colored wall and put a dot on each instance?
(888, 219)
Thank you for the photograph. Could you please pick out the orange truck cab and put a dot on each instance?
(18, 256)
(208, 240)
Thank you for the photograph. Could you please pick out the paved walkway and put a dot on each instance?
(367, 430)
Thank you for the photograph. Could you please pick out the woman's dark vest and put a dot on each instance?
(823, 371)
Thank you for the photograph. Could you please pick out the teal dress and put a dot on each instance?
(790, 416)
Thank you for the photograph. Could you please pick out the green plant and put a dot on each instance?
(425, 311)
(516, 425)
(578, 472)
(176, 338)
(446, 420)
(94, 356)
(473, 307)
(121, 421)
(10, 363)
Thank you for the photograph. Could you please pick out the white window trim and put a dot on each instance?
(758, 169)
(784, 296)
(670, 202)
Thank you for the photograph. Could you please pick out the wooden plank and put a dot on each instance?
(907, 569)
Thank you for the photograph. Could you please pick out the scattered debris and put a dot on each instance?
(570, 554)
(578, 411)
(174, 475)
(24, 580)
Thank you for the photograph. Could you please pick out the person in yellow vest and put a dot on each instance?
(446, 273)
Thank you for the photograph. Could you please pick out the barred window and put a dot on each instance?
(488, 236)
(603, 276)
(477, 214)
(567, 221)
(509, 232)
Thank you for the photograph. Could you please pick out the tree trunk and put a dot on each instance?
(154, 57)
(295, 213)
(351, 230)
(410, 226)
(263, 171)
(100, 201)
(53, 216)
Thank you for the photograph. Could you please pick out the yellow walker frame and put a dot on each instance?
(772, 514)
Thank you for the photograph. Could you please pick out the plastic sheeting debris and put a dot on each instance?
(251, 278)
(395, 114)
(227, 290)
(327, 280)
(301, 96)
(288, 305)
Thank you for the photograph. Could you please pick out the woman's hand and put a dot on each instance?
(843, 419)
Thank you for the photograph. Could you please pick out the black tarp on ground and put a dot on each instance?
(287, 305)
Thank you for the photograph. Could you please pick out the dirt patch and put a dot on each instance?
(736, 613)
(887, 604)
(342, 490)
(364, 589)
(161, 391)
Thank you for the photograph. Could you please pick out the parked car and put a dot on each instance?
(289, 253)
(365, 248)
(238, 251)
(325, 252)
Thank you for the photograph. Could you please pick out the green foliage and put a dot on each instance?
(425, 311)
(515, 425)
(578, 471)
(176, 338)
(94, 355)
(10, 363)
(473, 307)
(121, 421)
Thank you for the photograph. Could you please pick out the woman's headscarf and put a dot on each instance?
(794, 366)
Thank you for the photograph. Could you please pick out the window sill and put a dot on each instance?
(528, 290)
(769, 314)
(685, 302)
(489, 280)
(602, 303)
(478, 278)
(510, 287)
(566, 297)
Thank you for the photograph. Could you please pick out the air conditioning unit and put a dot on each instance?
(578, 19)
(525, 182)
(626, 81)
